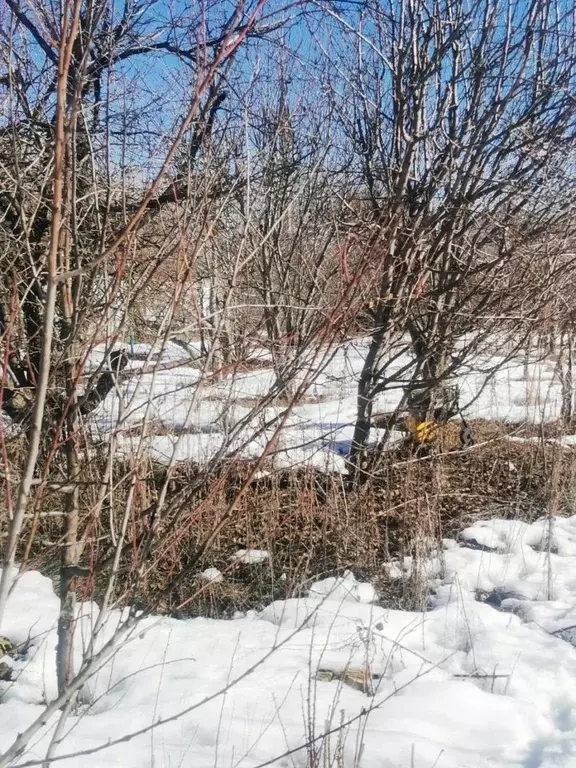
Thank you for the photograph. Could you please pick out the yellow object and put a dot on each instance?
(6, 646)
(20, 399)
(422, 431)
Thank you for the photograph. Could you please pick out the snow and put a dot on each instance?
(250, 556)
(343, 588)
(486, 678)
(212, 575)
(190, 417)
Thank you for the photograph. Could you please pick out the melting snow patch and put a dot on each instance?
(250, 556)
(212, 575)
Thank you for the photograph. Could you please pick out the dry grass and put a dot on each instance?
(310, 526)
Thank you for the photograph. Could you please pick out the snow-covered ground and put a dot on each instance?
(485, 678)
(192, 419)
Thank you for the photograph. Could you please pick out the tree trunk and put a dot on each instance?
(566, 377)
(365, 400)
(70, 550)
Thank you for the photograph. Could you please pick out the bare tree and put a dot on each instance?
(458, 115)
(65, 221)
